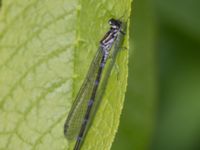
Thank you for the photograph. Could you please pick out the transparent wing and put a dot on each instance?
(79, 107)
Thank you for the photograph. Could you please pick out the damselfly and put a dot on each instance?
(77, 120)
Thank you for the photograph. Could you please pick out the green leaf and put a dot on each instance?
(45, 50)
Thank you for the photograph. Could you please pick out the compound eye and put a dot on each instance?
(111, 21)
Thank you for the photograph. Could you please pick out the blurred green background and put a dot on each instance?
(162, 107)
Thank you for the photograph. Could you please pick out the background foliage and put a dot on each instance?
(162, 107)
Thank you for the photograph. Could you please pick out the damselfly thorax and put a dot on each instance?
(107, 41)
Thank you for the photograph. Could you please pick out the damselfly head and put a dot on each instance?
(115, 23)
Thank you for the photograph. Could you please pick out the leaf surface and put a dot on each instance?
(45, 50)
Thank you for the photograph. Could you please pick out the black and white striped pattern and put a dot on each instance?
(105, 45)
